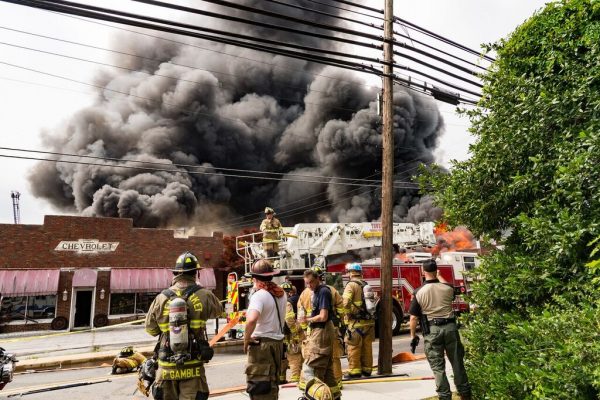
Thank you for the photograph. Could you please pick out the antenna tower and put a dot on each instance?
(15, 202)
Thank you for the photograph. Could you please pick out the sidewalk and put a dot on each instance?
(62, 343)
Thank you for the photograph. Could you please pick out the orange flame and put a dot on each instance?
(440, 228)
(458, 239)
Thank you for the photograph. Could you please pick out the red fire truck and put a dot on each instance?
(306, 245)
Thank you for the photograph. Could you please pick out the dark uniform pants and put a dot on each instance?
(319, 357)
(263, 369)
(446, 339)
(187, 389)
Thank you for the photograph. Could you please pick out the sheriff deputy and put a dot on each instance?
(432, 305)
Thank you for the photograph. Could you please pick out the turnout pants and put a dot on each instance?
(294, 357)
(446, 339)
(263, 369)
(318, 361)
(359, 345)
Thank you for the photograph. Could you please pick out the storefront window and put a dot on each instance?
(130, 303)
(32, 308)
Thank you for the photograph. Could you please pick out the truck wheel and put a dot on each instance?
(397, 319)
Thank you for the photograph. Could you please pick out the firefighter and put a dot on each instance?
(293, 335)
(263, 339)
(360, 325)
(183, 347)
(271, 230)
(305, 305)
(319, 345)
(432, 304)
(127, 361)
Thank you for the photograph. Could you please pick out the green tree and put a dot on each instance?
(532, 183)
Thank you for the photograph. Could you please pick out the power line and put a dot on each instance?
(442, 38)
(188, 172)
(312, 10)
(219, 16)
(112, 18)
(346, 9)
(158, 74)
(317, 195)
(347, 65)
(179, 165)
(268, 13)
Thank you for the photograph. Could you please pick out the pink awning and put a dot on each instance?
(28, 282)
(206, 278)
(85, 277)
(139, 280)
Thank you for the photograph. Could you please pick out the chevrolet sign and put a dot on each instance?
(87, 246)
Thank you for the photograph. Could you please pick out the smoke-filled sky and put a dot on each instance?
(230, 113)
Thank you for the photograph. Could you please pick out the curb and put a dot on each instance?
(93, 359)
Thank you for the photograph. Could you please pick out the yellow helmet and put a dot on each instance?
(269, 210)
(317, 390)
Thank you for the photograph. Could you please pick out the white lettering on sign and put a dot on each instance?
(87, 246)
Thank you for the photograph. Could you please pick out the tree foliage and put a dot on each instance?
(532, 183)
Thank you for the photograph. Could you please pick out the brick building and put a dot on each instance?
(77, 272)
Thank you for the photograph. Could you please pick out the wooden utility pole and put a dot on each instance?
(384, 363)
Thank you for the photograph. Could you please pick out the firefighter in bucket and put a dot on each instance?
(178, 316)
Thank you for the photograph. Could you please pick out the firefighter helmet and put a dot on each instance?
(319, 270)
(287, 286)
(269, 210)
(317, 390)
(186, 262)
(354, 267)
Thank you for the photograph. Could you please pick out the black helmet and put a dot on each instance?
(186, 262)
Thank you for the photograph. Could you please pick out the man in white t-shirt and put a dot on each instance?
(263, 339)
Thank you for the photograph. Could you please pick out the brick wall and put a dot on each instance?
(33, 246)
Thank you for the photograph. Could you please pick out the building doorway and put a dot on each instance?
(83, 309)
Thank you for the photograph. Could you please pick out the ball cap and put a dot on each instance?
(429, 266)
(263, 269)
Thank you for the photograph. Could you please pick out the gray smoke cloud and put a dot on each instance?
(279, 114)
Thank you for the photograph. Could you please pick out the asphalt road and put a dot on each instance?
(224, 371)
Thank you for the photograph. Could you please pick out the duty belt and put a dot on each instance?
(314, 325)
(441, 321)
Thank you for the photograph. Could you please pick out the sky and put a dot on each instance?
(32, 103)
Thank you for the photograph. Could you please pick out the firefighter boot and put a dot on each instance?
(465, 396)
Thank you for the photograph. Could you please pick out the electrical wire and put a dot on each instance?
(319, 195)
(213, 15)
(345, 9)
(312, 10)
(93, 14)
(442, 38)
(303, 72)
(260, 11)
(163, 76)
(357, 5)
(355, 180)
(352, 66)
(189, 172)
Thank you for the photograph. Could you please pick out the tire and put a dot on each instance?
(59, 323)
(100, 320)
(397, 319)
(398, 316)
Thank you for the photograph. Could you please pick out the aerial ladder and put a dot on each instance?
(308, 244)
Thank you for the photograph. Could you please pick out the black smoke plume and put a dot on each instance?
(275, 114)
